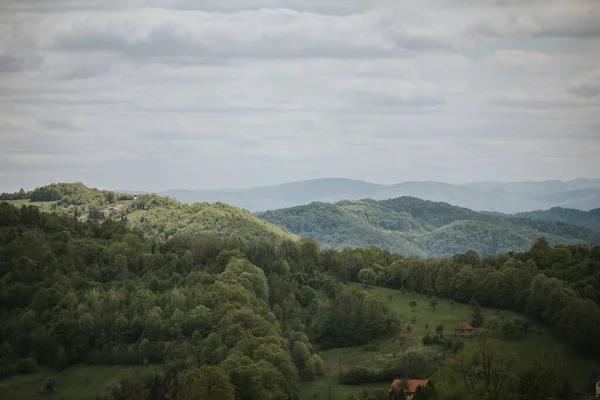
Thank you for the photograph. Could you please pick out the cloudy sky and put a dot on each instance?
(199, 94)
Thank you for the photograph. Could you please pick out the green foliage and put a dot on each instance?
(26, 365)
(415, 227)
(413, 304)
(74, 292)
(477, 318)
(205, 383)
(411, 364)
(48, 386)
(587, 219)
(353, 318)
(485, 372)
(433, 302)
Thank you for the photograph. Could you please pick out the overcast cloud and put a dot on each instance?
(158, 94)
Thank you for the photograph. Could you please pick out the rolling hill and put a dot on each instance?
(418, 227)
(512, 197)
(588, 219)
(156, 216)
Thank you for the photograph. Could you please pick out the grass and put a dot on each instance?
(526, 349)
(43, 205)
(319, 389)
(79, 382)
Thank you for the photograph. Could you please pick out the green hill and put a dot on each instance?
(418, 227)
(156, 216)
(587, 219)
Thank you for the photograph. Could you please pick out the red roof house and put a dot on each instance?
(409, 386)
(464, 330)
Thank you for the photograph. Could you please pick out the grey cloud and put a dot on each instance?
(555, 19)
(387, 100)
(534, 103)
(266, 91)
(86, 71)
(261, 33)
(56, 124)
(12, 63)
(587, 85)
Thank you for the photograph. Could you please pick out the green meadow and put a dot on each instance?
(378, 354)
(81, 382)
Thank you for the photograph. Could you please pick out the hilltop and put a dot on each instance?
(418, 227)
(588, 219)
(156, 216)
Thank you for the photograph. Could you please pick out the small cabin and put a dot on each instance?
(464, 330)
(407, 387)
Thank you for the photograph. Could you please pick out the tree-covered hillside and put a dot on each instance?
(248, 318)
(156, 216)
(587, 219)
(214, 312)
(416, 227)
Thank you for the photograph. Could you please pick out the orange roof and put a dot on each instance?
(464, 326)
(411, 384)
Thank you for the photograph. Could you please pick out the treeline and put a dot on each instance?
(20, 195)
(558, 286)
(254, 312)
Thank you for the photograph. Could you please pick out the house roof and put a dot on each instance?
(590, 385)
(464, 325)
(411, 384)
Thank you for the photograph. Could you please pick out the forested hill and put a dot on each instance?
(156, 216)
(587, 219)
(418, 227)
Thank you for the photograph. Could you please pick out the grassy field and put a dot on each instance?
(74, 383)
(43, 205)
(526, 349)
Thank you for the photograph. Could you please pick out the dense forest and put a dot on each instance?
(588, 219)
(76, 292)
(228, 303)
(416, 227)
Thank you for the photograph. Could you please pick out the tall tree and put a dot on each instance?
(433, 302)
(485, 372)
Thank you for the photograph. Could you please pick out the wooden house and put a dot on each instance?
(464, 330)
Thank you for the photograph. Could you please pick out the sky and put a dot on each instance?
(209, 94)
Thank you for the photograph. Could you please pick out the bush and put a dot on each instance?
(26, 365)
(427, 340)
(48, 386)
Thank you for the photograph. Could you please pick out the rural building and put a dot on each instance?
(464, 330)
(592, 387)
(409, 386)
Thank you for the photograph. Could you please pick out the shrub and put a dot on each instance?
(48, 386)
(26, 365)
(427, 340)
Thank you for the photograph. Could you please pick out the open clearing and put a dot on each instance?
(80, 382)
(427, 319)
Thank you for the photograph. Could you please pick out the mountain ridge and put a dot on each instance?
(505, 197)
(421, 228)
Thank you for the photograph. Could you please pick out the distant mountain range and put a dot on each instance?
(582, 194)
(416, 227)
